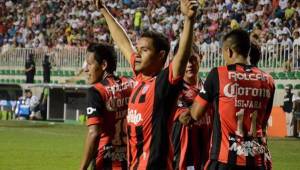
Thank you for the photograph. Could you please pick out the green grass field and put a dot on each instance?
(26, 145)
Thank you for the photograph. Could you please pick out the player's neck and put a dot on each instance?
(146, 77)
(191, 81)
(241, 60)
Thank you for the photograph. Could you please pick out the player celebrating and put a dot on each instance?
(242, 96)
(191, 144)
(156, 92)
(106, 111)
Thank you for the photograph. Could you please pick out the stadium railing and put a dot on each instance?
(274, 57)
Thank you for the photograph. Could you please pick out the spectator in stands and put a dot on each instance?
(66, 21)
(296, 38)
(30, 69)
(286, 45)
(46, 69)
(287, 108)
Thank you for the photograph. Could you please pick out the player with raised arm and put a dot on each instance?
(157, 89)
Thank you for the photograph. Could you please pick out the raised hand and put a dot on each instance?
(189, 8)
(99, 4)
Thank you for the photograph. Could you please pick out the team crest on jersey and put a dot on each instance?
(202, 90)
(145, 89)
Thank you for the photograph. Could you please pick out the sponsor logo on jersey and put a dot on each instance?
(120, 87)
(134, 117)
(247, 148)
(113, 104)
(90, 110)
(233, 90)
(246, 76)
(115, 153)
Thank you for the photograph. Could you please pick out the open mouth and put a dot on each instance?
(138, 61)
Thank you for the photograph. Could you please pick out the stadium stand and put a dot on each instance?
(62, 30)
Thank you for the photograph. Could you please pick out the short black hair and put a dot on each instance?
(28, 91)
(104, 51)
(160, 41)
(255, 54)
(239, 41)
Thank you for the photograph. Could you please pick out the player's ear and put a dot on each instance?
(162, 54)
(103, 65)
(230, 52)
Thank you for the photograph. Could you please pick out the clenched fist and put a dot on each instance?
(189, 8)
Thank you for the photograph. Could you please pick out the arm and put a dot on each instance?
(189, 9)
(90, 146)
(94, 122)
(197, 110)
(29, 69)
(208, 93)
(117, 32)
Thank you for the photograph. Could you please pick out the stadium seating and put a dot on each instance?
(297, 87)
(282, 75)
(280, 86)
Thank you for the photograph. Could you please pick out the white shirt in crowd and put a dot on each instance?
(282, 31)
(214, 46)
(283, 4)
(204, 46)
(271, 44)
(264, 2)
(287, 44)
(250, 17)
(296, 41)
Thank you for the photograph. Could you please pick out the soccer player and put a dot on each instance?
(105, 143)
(156, 91)
(190, 143)
(242, 96)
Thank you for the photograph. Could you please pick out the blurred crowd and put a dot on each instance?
(74, 23)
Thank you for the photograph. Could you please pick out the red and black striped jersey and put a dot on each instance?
(107, 107)
(190, 144)
(242, 97)
(150, 107)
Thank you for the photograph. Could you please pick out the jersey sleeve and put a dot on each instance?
(94, 107)
(173, 80)
(165, 82)
(210, 89)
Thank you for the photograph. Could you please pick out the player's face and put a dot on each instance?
(93, 69)
(147, 56)
(192, 67)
